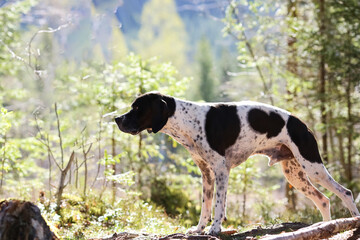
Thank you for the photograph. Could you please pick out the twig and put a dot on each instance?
(49, 159)
(60, 138)
(13, 54)
(99, 151)
(50, 30)
(3, 163)
(46, 144)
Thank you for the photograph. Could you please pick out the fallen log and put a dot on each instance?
(269, 230)
(21, 220)
(319, 230)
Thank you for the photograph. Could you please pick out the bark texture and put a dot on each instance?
(319, 230)
(21, 220)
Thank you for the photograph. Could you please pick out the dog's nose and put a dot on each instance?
(119, 120)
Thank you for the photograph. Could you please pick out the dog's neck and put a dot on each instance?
(187, 117)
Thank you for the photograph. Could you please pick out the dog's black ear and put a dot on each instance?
(159, 115)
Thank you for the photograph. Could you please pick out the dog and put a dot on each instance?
(220, 136)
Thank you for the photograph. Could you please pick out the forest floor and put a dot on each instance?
(20, 218)
(256, 233)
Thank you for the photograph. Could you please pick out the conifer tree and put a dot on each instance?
(206, 89)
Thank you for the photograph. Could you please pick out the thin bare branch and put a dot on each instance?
(99, 151)
(87, 152)
(49, 150)
(60, 138)
(47, 143)
(50, 30)
(13, 54)
(82, 163)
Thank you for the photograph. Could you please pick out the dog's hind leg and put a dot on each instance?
(303, 145)
(298, 179)
(316, 171)
(320, 175)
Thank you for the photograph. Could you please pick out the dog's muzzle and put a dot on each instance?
(120, 123)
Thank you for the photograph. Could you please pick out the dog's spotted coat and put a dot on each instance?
(220, 136)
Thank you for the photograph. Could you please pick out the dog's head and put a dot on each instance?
(149, 111)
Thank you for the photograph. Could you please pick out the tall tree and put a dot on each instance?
(292, 68)
(162, 34)
(322, 77)
(118, 47)
(207, 84)
(227, 67)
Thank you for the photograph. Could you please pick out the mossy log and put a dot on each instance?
(22, 220)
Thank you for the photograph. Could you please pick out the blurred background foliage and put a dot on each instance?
(67, 68)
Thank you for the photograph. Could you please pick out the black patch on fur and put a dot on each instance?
(263, 123)
(222, 127)
(304, 140)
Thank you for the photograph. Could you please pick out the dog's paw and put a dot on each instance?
(214, 230)
(195, 230)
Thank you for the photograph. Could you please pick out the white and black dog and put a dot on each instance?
(220, 136)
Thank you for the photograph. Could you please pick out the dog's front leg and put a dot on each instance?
(221, 178)
(208, 179)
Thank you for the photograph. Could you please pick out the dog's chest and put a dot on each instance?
(187, 127)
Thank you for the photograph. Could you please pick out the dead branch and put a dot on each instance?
(13, 54)
(319, 230)
(50, 30)
(60, 138)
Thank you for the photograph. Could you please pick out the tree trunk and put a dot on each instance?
(50, 166)
(20, 220)
(99, 151)
(292, 67)
(62, 181)
(342, 154)
(350, 131)
(113, 153)
(85, 154)
(3, 165)
(322, 76)
(244, 202)
(76, 173)
(139, 183)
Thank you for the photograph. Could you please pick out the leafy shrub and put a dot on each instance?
(175, 201)
(172, 198)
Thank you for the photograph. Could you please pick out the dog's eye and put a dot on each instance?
(136, 108)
